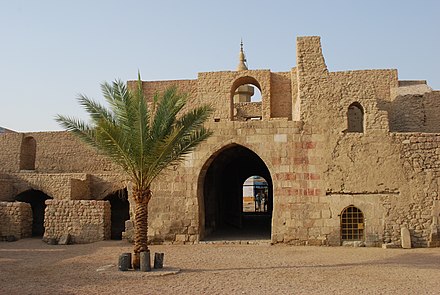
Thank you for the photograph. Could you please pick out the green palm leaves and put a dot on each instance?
(142, 137)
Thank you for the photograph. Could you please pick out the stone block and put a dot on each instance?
(180, 238)
(405, 238)
(326, 214)
(372, 240)
(124, 262)
(158, 260)
(389, 246)
(64, 239)
(280, 137)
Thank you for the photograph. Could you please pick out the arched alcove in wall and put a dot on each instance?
(355, 118)
(222, 187)
(28, 152)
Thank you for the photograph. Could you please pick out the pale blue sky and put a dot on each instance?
(53, 50)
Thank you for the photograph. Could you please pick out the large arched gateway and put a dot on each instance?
(223, 181)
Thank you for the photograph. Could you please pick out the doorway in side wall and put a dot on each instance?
(120, 212)
(37, 201)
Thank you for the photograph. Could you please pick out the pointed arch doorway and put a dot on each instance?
(223, 179)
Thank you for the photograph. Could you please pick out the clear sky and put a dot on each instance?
(53, 50)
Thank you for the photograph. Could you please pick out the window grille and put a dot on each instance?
(352, 224)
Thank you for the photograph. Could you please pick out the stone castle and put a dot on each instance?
(347, 157)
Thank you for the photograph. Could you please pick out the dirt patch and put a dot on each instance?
(30, 266)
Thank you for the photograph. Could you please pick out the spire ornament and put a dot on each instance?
(242, 59)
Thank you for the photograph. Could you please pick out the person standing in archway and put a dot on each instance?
(258, 199)
(264, 201)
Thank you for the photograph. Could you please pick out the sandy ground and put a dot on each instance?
(30, 266)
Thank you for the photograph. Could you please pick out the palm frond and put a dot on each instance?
(178, 149)
(96, 111)
(78, 127)
(142, 138)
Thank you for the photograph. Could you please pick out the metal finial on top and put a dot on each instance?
(242, 59)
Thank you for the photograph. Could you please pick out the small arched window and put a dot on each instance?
(246, 99)
(27, 153)
(355, 117)
(352, 224)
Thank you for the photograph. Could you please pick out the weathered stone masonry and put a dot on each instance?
(326, 141)
(85, 221)
(15, 220)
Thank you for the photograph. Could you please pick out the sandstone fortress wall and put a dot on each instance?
(324, 141)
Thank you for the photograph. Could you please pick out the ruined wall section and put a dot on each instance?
(325, 97)
(152, 88)
(296, 101)
(432, 111)
(7, 188)
(85, 221)
(381, 81)
(10, 144)
(215, 88)
(361, 169)
(393, 179)
(415, 112)
(61, 151)
(15, 220)
(312, 75)
(55, 152)
(281, 96)
(416, 210)
(246, 110)
(369, 88)
(60, 186)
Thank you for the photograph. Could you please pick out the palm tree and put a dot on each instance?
(143, 138)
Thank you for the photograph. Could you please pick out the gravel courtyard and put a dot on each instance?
(30, 266)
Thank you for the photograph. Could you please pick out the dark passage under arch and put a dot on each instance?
(120, 212)
(37, 201)
(224, 217)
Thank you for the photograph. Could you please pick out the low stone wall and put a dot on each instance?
(15, 220)
(247, 110)
(86, 221)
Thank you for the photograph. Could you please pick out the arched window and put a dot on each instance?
(246, 99)
(355, 117)
(27, 153)
(352, 224)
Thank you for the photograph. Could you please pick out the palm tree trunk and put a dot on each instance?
(141, 198)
